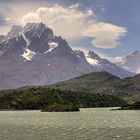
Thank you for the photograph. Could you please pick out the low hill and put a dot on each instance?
(42, 98)
(104, 83)
(98, 82)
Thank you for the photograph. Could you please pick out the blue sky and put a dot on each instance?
(120, 17)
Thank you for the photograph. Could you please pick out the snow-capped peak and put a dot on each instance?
(121, 60)
(28, 55)
(90, 60)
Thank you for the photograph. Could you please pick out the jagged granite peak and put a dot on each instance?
(36, 29)
(34, 26)
(34, 36)
(33, 55)
(93, 55)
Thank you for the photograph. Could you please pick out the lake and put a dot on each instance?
(88, 124)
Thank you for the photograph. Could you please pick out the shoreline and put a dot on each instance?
(110, 108)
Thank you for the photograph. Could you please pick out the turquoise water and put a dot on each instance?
(88, 124)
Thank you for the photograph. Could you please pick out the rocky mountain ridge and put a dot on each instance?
(130, 62)
(33, 55)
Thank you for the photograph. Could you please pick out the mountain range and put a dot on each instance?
(33, 55)
(96, 89)
(130, 62)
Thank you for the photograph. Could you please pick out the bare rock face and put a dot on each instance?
(130, 62)
(33, 55)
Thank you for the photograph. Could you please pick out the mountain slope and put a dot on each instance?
(104, 83)
(97, 81)
(130, 62)
(33, 55)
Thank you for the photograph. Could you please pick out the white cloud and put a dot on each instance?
(8, 19)
(65, 21)
(31, 17)
(71, 22)
(105, 35)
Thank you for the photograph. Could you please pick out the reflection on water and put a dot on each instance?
(88, 124)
